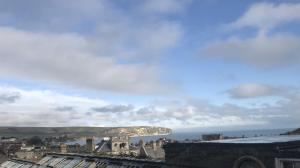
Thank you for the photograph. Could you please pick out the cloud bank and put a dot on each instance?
(113, 52)
(265, 49)
(41, 108)
(68, 59)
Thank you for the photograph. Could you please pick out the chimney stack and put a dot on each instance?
(159, 143)
(63, 148)
(90, 144)
(153, 145)
(141, 143)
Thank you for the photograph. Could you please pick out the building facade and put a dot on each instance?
(262, 152)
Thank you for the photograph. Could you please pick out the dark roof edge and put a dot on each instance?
(107, 157)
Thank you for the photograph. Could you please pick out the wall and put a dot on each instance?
(120, 145)
(210, 155)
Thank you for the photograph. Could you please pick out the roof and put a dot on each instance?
(259, 140)
(16, 164)
(81, 161)
(158, 153)
(103, 146)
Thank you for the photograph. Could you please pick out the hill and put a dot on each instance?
(294, 132)
(82, 131)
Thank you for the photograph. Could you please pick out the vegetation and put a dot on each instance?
(35, 140)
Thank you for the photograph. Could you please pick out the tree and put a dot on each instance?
(35, 140)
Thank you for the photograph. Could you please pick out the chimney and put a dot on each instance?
(141, 143)
(159, 143)
(63, 148)
(153, 145)
(90, 144)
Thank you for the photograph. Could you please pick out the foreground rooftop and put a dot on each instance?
(260, 140)
(82, 161)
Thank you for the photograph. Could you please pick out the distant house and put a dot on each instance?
(8, 139)
(211, 137)
(66, 148)
(27, 148)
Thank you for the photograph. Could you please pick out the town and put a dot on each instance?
(282, 151)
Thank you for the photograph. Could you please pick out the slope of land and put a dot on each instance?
(82, 131)
(294, 132)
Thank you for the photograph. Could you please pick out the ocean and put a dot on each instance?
(181, 136)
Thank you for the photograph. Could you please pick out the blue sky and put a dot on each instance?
(183, 64)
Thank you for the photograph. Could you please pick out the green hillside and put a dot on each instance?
(294, 132)
(82, 131)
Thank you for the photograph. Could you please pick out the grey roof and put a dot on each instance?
(103, 146)
(81, 161)
(158, 153)
(15, 164)
(264, 140)
(85, 164)
(44, 160)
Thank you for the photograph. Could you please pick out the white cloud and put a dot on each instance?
(264, 49)
(253, 90)
(115, 32)
(48, 108)
(70, 59)
(94, 44)
(191, 115)
(268, 15)
(260, 51)
(40, 108)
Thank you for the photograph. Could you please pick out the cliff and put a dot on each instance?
(139, 131)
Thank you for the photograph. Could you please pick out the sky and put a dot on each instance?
(182, 64)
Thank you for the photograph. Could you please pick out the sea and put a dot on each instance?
(183, 136)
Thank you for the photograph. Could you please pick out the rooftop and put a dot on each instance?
(82, 161)
(264, 140)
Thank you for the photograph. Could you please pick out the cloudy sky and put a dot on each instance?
(183, 64)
